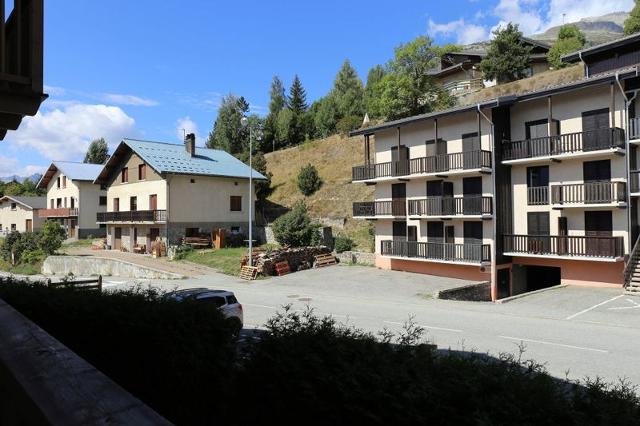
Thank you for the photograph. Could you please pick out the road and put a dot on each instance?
(575, 332)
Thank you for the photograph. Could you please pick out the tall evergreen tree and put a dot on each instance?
(297, 105)
(348, 95)
(297, 100)
(372, 91)
(98, 152)
(632, 23)
(228, 133)
(508, 57)
(277, 103)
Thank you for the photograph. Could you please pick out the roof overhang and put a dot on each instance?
(581, 54)
(9, 197)
(47, 176)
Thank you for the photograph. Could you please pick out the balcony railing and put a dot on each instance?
(60, 212)
(634, 128)
(133, 216)
(589, 193)
(451, 206)
(537, 195)
(582, 246)
(463, 86)
(569, 143)
(450, 252)
(434, 164)
(379, 208)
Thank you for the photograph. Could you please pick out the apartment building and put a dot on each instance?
(459, 71)
(20, 214)
(524, 191)
(168, 191)
(73, 199)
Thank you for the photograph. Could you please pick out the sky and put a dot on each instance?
(148, 69)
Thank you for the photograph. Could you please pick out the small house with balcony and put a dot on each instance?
(158, 190)
(73, 199)
(18, 213)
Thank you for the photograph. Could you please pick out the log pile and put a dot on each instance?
(299, 258)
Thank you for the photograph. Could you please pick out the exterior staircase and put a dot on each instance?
(632, 271)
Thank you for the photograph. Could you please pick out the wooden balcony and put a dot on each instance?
(564, 246)
(466, 253)
(135, 216)
(57, 213)
(570, 144)
(447, 207)
(458, 162)
(597, 194)
(21, 62)
(462, 87)
(374, 209)
(537, 195)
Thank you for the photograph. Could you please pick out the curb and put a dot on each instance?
(529, 293)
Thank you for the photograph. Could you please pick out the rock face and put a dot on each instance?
(299, 258)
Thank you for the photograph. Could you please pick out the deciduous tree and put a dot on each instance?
(570, 39)
(508, 58)
(632, 23)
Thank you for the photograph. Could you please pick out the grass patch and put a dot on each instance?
(226, 260)
(22, 268)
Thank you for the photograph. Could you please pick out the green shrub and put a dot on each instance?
(182, 251)
(295, 228)
(308, 180)
(51, 237)
(32, 256)
(16, 243)
(342, 243)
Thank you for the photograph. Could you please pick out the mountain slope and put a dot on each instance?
(597, 29)
(332, 203)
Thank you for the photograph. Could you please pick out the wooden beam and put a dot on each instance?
(435, 131)
(612, 111)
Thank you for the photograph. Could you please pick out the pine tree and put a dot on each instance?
(277, 103)
(297, 100)
(98, 152)
(632, 24)
(348, 95)
(508, 57)
(228, 133)
(297, 105)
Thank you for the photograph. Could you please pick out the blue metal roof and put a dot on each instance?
(73, 171)
(172, 158)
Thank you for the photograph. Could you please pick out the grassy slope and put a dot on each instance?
(333, 157)
(225, 260)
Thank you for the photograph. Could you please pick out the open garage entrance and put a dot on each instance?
(530, 278)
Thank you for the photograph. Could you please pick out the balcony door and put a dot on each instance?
(598, 224)
(398, 199)
(440, 198)
(592, 121)
(435, 238)
(470, 151)
(597, 178)
(472, 233)
(538, 232)
(472, 195)
(537, 133)
(399, 230)
(437, 160)
(399, 160)
(449, 240)
(412, 238)
(153, 202)
(538, 185)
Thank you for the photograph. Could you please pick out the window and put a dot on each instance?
(59, 203)
(235, 229)
(231, 300)
(153, 202)
(58, 182)
(103, 201)
(540, 129)
(217, 301)
(103, 187)
(73, 203)
(14, 206)
(192, 180)
(116, 204)
(133, 204)
(124, 176)
(236, 203)
(142, 171)
(64, 181)
(13, 226)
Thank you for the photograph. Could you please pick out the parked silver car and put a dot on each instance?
(224, 300)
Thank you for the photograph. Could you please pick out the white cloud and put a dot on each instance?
(65, 134)
(186, 125)
(10, 166)
(121, 99)
(465, 33)
(527, 14)
(54, 90)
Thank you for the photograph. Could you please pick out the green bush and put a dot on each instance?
(342, 243)
(182, 251)
(295, 228)
(16, 243)
(308, 180)
(51, 237)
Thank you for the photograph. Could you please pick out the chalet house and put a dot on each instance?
(21, 213)
(459, 72)
(523, 191)
(168, 191)
(73, 199)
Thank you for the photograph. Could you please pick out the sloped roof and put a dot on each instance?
(168, 158)
(599, 48)
(73, 170)
(31, 202)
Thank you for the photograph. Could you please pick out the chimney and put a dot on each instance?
(190, 144)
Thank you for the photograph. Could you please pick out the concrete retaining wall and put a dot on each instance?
(357, 257)
(42, 382)
(90, 265)
(480, 292)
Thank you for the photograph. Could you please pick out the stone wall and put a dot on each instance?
(89, 266)
(42, 382)
(357, 257)
(177, 230)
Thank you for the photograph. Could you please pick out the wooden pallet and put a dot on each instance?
(325, 260)
(282, 268)
(248, 273)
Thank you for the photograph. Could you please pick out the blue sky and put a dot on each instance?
(147, 69)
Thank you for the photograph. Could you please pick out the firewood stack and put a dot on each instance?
(299, 258)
